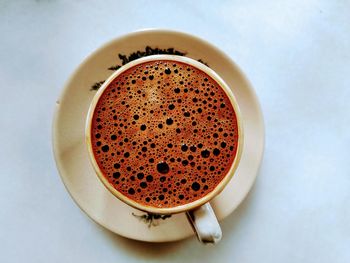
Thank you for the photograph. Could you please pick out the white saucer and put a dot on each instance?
(71, 154)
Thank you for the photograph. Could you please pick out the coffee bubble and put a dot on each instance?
(163, 168)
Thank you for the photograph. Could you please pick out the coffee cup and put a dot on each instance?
(164, 135)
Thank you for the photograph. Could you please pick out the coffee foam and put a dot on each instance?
(164, 133)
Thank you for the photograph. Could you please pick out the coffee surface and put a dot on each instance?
(164, 133)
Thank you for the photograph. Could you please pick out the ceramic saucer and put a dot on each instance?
(72, 157)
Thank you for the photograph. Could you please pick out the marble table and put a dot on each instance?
(297, 56)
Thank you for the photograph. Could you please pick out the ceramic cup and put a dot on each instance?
(199, 212)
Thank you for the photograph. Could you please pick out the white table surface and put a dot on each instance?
(297, 56)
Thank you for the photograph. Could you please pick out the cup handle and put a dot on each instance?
(205, 224)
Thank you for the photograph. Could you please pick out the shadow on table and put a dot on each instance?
(146, 250)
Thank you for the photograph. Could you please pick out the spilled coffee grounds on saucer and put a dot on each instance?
(139, 54)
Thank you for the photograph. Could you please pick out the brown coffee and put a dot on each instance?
(164, 133)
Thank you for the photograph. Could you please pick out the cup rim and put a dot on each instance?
(180, 208)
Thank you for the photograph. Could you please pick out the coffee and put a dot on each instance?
(164, 133)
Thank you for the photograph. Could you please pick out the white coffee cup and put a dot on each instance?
(199, 212)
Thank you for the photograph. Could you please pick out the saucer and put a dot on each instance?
(71, 153)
